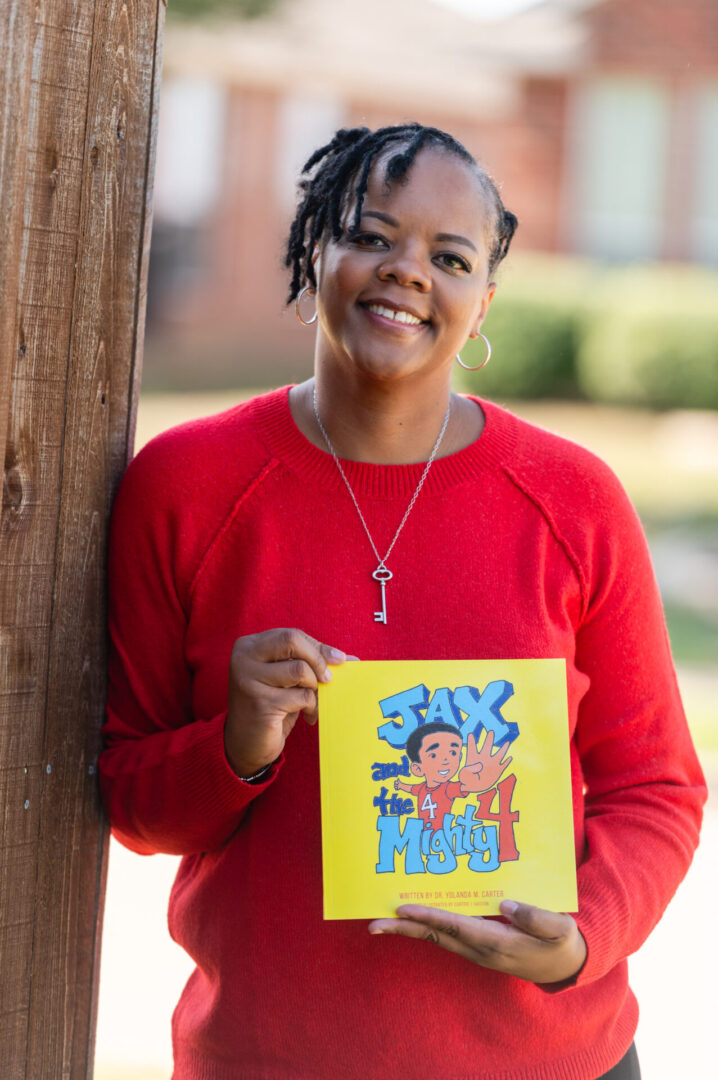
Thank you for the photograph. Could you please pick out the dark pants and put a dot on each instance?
(627, 1068)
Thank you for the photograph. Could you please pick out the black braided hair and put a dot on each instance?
(434, 727)
(336, 172)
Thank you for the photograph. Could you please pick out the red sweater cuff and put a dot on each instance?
(175, 792)
(207, 777)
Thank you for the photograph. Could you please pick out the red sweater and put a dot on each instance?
(521, 545)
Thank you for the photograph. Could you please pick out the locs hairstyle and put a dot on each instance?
(325, 187)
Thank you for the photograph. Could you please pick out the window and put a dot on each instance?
(705, 205)
(190, 150)
(621, 144)
(306, 121)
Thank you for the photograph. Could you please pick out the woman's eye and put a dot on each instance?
(368, 240)
(454, 262)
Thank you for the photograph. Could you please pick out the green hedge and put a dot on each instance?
(533, 326)
(640, 335)
(533, 350)
(650, 337)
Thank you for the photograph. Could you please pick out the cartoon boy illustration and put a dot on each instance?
(434, 751)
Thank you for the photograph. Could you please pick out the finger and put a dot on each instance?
(311, 712)
(477, 939)
(538, 922)
(504, 751)
(421, 932)
(498, 945)
(451, 923)
(472, 754)
(283, 673)
(285, 701)
(488, 743)
(288, 644)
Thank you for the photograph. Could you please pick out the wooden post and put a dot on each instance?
(79, 83)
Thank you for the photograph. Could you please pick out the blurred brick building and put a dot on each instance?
(599, 118)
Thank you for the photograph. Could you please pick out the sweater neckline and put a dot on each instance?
(280, 434)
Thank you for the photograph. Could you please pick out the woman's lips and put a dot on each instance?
(396, 319)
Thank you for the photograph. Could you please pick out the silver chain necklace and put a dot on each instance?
(382, 574)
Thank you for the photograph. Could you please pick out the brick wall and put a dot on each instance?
(658, 36)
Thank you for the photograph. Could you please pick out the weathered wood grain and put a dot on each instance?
(78, 91)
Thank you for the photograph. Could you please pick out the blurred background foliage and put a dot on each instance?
(238, 9)
(642, 335)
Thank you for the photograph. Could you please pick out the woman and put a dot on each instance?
(476, 535)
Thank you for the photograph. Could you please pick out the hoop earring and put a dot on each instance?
(305, 322)
(467, 367)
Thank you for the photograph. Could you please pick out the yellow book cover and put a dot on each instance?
(446, 783)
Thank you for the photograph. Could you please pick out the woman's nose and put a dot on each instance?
(405, 267)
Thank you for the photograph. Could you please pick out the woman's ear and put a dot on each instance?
(483, 310)
(316, 263)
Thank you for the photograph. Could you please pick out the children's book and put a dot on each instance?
(445, 783)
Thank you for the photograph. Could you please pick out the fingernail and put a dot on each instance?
(375, 931)
(326, 676)
(337, 656)
(508, 907)
(352, 658)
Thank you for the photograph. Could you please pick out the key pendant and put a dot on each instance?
(382, 575)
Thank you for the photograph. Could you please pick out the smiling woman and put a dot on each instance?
(403, 276)
(364, 276)
(485, 537)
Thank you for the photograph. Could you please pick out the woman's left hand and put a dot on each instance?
(537, 945)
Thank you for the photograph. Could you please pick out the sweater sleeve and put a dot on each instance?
(644, 789)
(164, 778)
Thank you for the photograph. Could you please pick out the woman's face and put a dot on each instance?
(402, 296)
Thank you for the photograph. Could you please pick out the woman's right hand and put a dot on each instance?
(273, 676)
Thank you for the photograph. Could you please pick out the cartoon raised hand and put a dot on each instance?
(483, 768)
